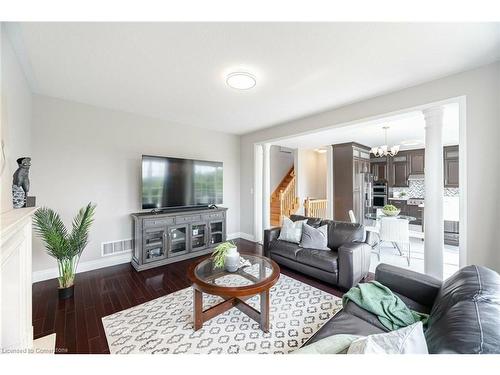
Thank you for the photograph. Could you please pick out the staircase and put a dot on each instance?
(284, 200)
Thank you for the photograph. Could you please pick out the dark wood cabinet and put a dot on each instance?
(378, 169)
(416, 212)
(349, 160)
(451, 166)
(416, 161)
(401, 204)
(398, 168)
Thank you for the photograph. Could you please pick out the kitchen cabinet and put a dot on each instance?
(349, 160)
(416, 212)
(416, 161)
(401, 204)
(398, 168)
(378, 168)
(451, 166)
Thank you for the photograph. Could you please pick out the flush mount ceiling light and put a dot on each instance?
(241, 80)
(384, 150)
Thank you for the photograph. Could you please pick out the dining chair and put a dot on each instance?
(368, 228)
(352, 217)
(396, 231)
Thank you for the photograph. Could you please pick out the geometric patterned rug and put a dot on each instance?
(165, 325)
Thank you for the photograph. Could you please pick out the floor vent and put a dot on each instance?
(116, 247)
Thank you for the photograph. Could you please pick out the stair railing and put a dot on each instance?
(315, 207)
(288, 199)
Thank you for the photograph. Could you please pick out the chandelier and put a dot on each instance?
(384, 150)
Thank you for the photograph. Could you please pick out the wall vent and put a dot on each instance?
(116, 247)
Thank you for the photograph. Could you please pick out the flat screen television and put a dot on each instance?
(172, 182)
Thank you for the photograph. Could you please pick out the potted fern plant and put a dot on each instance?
(66, 247)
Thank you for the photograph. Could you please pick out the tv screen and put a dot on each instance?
(172, 182)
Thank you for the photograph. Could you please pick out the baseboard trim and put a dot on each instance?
(109, 261)
(243, 235)
(90, 265)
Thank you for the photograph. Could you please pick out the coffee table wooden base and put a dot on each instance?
(261, 317)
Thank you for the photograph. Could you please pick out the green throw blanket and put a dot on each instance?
(379, 300)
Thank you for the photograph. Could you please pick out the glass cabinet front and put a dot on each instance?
(178, 240)
(154, 245)
(216, 232)
(199, 236)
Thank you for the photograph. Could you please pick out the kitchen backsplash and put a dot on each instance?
(417, 190)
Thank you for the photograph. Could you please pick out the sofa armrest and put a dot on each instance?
(353, 263)
(269, 236)
(416, 286)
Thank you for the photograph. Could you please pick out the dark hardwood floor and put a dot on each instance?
(77, 321)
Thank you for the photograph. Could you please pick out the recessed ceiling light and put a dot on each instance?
(241, 80)
(320, 150)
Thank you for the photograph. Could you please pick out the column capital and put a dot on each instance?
(433, 112)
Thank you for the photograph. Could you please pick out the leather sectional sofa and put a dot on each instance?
(345, 263)
(464, 310)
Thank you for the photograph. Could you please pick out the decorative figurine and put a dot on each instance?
(21, 182)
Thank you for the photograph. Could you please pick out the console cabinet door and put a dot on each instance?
(199, 236)
(178, 240)
(154, 244)
(217, 232)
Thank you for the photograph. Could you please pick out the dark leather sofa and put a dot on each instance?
(345, 263)
(464, 310)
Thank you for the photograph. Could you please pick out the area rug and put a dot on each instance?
(165, 325)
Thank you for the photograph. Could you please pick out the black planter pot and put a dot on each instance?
(65, 293)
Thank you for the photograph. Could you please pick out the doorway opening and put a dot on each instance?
(331, 167)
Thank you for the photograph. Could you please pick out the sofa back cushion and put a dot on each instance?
(465, 317)
(339, 232)
(312, 221)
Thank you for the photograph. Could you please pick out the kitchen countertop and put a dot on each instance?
(398, 199)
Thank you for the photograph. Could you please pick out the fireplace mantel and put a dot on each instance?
(16, 328)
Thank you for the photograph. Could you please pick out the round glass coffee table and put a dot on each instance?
(255, 278)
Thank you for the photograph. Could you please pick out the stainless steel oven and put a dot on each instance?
(379, 200)
(380, 189)
(379, 194)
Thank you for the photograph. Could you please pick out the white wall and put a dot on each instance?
(83, 153)
(281, 163)
(15, 119)
(311, 176)
(320, 175)
(481, 88)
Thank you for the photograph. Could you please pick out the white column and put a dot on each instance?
(329, 182)
(257, 193)
(433, 211)
(266, 186)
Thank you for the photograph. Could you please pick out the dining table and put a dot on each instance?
(377, 216)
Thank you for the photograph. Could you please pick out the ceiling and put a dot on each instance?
(407, 130)
(176, 71)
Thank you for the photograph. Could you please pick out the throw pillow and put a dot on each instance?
(314, 238)
(291, 231)
(336, 344)
(407, 340)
